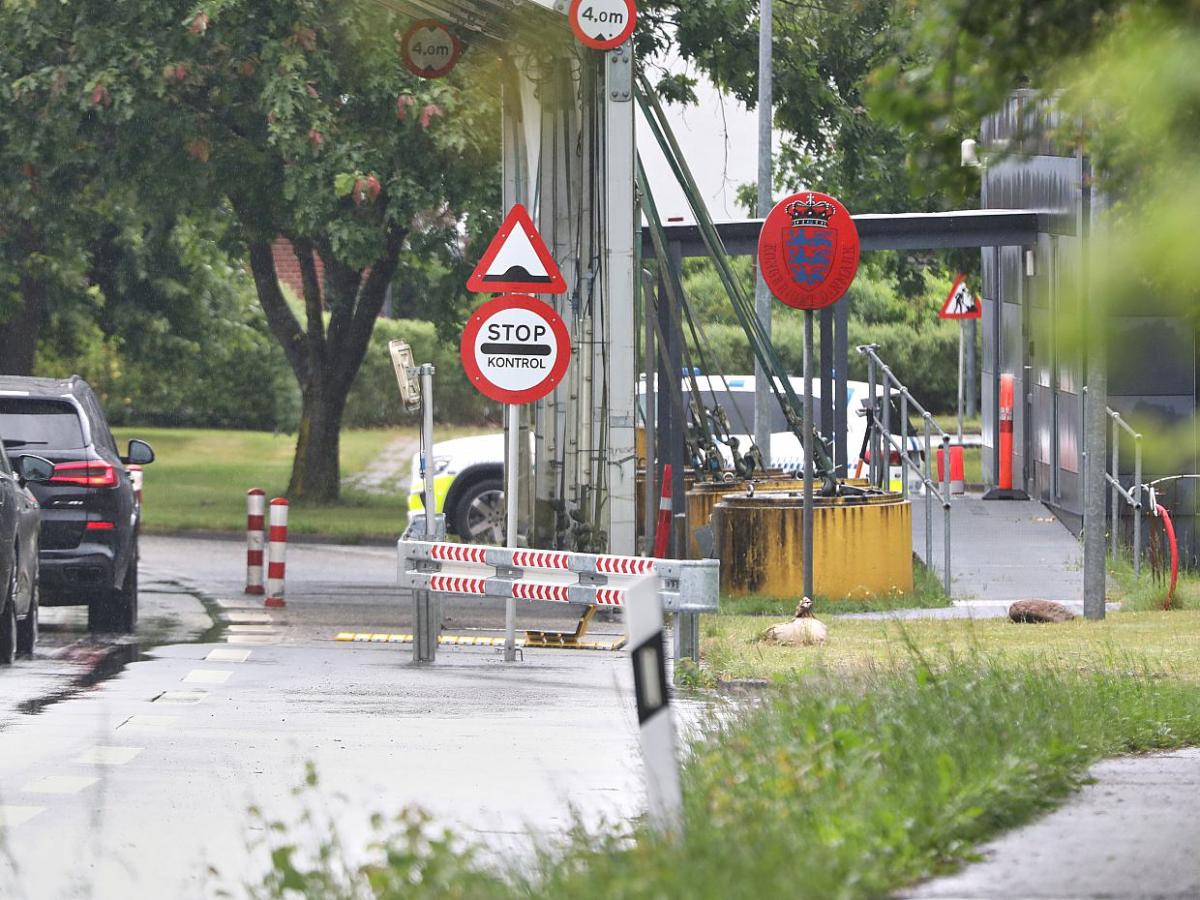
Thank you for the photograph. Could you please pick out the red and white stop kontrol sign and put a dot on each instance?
(515, 349)
(429, 49)
(603, 24)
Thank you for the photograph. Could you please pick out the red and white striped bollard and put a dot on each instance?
(276, 552)
(256, 501)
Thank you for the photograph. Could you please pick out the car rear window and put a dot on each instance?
(27, 422)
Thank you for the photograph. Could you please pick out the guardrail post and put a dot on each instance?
(1116, 496)
(687, 625)
(946, 508)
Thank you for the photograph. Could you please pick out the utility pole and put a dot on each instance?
(762, 296)
(1095, 425)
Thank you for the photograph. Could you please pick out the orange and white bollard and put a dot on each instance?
(276, 552)
(957, 469)
(662, 531)
(1004, 475)
(256, 502)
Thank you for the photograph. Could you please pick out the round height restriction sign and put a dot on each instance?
(429, 49)
(515, 349)
(603, 24)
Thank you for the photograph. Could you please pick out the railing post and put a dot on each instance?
(904, 444)
(871, 417)
(1116, 495)
(946, 508)
(1137, 510)
(885, 450)
(928, 493)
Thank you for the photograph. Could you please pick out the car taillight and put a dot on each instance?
(90, 473)
(101, 526)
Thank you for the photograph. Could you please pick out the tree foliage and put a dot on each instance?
(298, 119)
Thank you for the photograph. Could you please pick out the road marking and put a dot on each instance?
(207, 676)
(61, 784)
(108, 756)
(181, 696)
(252, 639)
(223, 655)
(246, 618)
(252, 629)
(12, 816)
(150, 723)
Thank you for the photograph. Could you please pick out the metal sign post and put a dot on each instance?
(808, 254)
(962, 328)
(961, 304)
(808, 456)
(513, 426)
(515, 350)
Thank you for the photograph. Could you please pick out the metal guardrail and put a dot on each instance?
(879, 435)
(1133, 495)
(685, 587)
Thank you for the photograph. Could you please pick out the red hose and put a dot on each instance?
(1169, 527)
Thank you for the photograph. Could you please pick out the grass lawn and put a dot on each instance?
(200, 478)
(1164, 642)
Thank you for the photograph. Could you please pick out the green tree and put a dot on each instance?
(296, 117)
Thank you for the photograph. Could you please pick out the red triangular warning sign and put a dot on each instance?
(518, 260)
(961, 304)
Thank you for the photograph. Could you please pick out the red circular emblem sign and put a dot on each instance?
(515, 349)
(808, 250)
(603, 24)
(429, 49)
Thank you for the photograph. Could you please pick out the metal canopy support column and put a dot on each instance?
(841, 356)
(619, 232)
(828, 364)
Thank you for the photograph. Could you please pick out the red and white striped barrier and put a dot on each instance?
(277, 552)
(256, 503)
(690, 586)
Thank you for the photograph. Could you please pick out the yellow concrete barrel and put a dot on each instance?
(862, 546)
(702, 499)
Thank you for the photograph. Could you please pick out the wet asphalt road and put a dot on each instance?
(130, 772)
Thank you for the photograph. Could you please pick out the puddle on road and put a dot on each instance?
(101, 661)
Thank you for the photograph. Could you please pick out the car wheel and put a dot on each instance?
(480, 517)
(27, 628)
(8, 622)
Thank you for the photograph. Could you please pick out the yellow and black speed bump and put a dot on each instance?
(534, 639)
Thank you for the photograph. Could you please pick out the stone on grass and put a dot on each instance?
(1039, 612)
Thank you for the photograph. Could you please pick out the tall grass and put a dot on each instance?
(840, 788)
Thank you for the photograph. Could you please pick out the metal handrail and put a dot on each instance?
(1132, 496)
(879, 434)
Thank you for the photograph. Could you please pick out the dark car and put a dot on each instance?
(90, 516)
(19, 554)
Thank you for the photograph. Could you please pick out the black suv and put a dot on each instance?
(90, 516)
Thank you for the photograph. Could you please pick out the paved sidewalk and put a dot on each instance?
(1002, 551)
(1134, 833)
